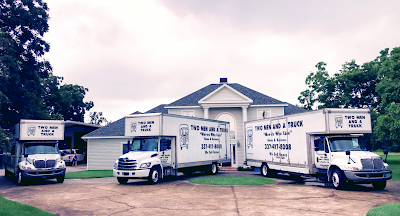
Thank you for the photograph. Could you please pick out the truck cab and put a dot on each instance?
(39, 159)
(146, 157)
(34, 151)
(343, 160)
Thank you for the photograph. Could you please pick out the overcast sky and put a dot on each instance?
(135, 55)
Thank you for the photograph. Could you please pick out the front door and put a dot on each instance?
(233, 155)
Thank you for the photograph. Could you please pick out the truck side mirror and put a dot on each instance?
(348, 152)
(25, 155)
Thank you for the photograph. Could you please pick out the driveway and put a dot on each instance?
(104, 196)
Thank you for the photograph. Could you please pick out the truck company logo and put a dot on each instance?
(184, 135)
(249, 134)
(339, 121)
(133, 127)
(31, 130)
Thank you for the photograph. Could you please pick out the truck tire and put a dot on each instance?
(265, 170)
(122, 180)
(379, 185)
(154, 175)
(7, 173)
(60, 179)
(211, 169)
(338, 179)
(20, 179)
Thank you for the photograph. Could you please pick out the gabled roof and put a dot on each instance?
(158, 109)
(193, 98)
(117, 128)
(113, 129)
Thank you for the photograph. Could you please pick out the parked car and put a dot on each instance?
(68, 155)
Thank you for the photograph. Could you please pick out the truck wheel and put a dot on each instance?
(265, 170)
(213, 169)
(20, 179)
(7, 173)
(122, 180)
(154, 175)
(60, 179)
(338, 179)
(379, 185)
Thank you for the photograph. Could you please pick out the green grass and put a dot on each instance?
(385, 210)
(9, 207)
(393, 160)
(231, 180)
(89, 174)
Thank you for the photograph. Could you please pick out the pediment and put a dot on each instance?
(225, 94)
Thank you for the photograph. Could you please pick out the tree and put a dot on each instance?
(387, 128)
(23, 24)
(97, 118)
(321, 89)
(65, 101)
(28, 88)
(374, 85)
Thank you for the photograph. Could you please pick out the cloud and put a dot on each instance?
(135, 55)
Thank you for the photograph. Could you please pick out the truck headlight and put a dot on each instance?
(60, 163)
(27, 167)
(351, 168)
(116, 165)
(387, 167)
(145, 165)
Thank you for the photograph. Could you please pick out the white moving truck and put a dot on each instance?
(163, 144)
(34, 151)
(322, 143)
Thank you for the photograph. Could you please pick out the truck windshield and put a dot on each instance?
(146, 144)
(343, 144)
(40, 148)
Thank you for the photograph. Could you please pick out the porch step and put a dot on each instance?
(227, 168)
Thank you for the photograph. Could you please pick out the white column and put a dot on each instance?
(244, 111)
(205, 112)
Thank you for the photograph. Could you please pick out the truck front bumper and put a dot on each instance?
(142, 173)
(43, 173)
(368, 176)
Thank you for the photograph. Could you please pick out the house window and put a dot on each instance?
(232, 123)
(187, 113)
(263, 113)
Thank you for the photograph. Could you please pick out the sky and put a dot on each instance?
(135, 55)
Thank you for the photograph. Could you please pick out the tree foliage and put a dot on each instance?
(374, 85)
(97, 118)
(28, 88)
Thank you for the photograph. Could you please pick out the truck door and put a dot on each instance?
(321, 154)
(166, 156)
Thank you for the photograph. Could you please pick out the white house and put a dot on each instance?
(230, 102)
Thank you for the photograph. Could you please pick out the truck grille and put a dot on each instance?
(126, 164)
(44, 164)
(372, 164)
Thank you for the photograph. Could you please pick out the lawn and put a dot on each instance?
(9, 207)
(89, 174)
(393, 160)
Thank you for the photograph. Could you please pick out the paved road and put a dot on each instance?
(104, 196)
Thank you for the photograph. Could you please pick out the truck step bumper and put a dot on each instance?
(362, 176)
(132, 173)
